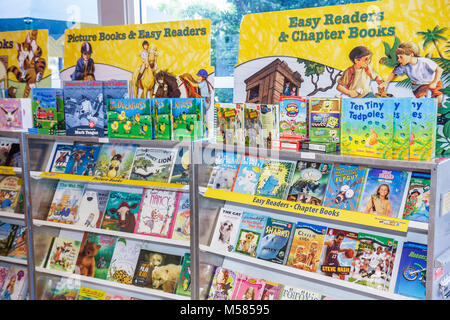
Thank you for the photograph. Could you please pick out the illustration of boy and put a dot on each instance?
(355, 80)
(85, 68)
(204, 86)
(423, 72)
(144, 57)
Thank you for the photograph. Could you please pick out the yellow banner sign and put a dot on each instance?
(7, 170)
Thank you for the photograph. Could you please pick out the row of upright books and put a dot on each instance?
(393, 193)
(357, 257)
(13, 241)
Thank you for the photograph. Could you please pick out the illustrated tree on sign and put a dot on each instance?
(432, 36)
(314, 70)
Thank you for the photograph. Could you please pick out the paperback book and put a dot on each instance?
(124, 260)
(275, 178)
(324, 120)
(18, 248)
(292, 293)
(122, 210)
(269, 120)
(10, 190)
(293, 118)
(115, 160)
(230, 123)
(60, 157)
(113, 89)
(223, 284)
(16, 284)
(152, 164)
(82, 159)
(187, 118)
(63, 254)
(417, 205)
(273, 246)
(66, 199)
(180, 169)
(248, 288)
(251, 230)
(15, 114)
(65, 289)
(184, 282)
(248, 174)
(7, 233)
(224, 170)
(182, 226)
(423, 128)
(271, 291)
(129, 118)
(92, 207)
(402, 128)
(162, 118)
(86, 293)
(226, 230)
(45, 110)
(253, 136)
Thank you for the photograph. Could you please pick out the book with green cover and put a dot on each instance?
(423, 128)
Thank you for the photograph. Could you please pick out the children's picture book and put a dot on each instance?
(275, 178)
(411, 277)
(423, 128)
(82, 159)
(115, 297)
(230, 123)
(86, 293)
(60, 157)
(293, 118)
(223, 284)
(402, 127)
(18, 249)
(66, 199)
(65, 289)
(187, 118)
(344, 187)
(63, 254)
(157, 270)
(251, 230)
(226, 230)
(271, 291)
(367, 127)
(95, 255)
(152, 164)
(248, 288)
(5, 147)
(16, 284)
(273, 246)
(115, 160)
(293, 293)
(224, 170)
(60, 113)
(92, 207)
(124, 260)
(129, 118)
(371, 262)
(84, 108)
(269, 120)
(13, 157)
(4, 269)
(309, 182)
(248, 174)
(306, 246)
(45, 110)
(182, 226)
(184, 282)
(252, 125)
(15, 114)
(122, 210)
(162, 118)
(417, 205)
(7, 233)
(10, 187)
(115, 89)
(337, 253)
(180, 169)
(324, 120)
(384, 192)
(157, 212)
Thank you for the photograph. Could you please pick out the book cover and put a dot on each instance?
(187, 118)
(152, 164)
(417, 205)
(157, 212)
(271, 291)
(248, 174)
(115, 89)
(12, 114)
(115, 297)
(248, 288)
(4, 269)
(309, 182)
(18, 249)
(276, 175)
(273, 246)
(13, 158)
(250, 232)
(230, 123)
(337, 253)
(16, 284)
(7, 234)
(162, 118)
(10, 187)
(292, 293)
(182, 226)
(269, 120)
(45, 110)
(5, 147)
(60, 157)
(371, 261)
(344, 187)
(66, 199)
(86, 293)
(384, 192)
(402, 127)
(63, 254)
(224, 170)
(306, 246)
(226, 230)
(157, 270)
(293, 118)
(129, 118)
(223, 284)
(253, 136)
(324, 120)
(65, 289)
(411, 280)
(82, 159)
(95, 255)
(122, 210)
(60, 115)
(423, 128)
(367, 127)
(92, 207)
(84, 108)
(184, 282)
(180, 169)
(124, 260)
(115, 160)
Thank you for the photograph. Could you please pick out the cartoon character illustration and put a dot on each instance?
(248, 181)
(114, 165)
(145, 79)
(85, 67)
(58, 258)
(127, 221)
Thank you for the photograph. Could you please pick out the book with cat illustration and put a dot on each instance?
(63, 254)
(66, 199)
(226, 230)
(224, 170)
(122, 210)
(276, 175)
(251, 230)
(152, 164)
(115, 160)
(273, 246)
(123, 261)
(82, 159)
(92, 206)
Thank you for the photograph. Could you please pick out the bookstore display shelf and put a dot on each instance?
(6, 214)
(13, 260)
(10, 170)
(111, 284)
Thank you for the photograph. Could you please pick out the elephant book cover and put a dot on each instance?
(122, 210)
(129, 118)
(274, 242)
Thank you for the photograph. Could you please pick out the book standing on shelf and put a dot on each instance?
(271, 291)
(184, 282)
(248, 288)
(182, 225)
(180, 168)
(292, 293)
(92, 207)
(152, 164)
(16, 114)
(115, 160)
(251, 230)
(124, 260)
(423, 128)
(64, 206)
(252, 125)
(45, 110)
(187, 118)
(248, 174)
(82, 159)
(60, 157)
(122, 210)
(401, 128)
(293, 118)
(162, 118)
(129, 118)
(276, 175)
(18, 248)
(273, 246)
(7, 233)
(226, 230)
(10, 190)
(324, 120)
(269, 120)
(230, 123)
(223, 284)
(15, 284)
(63, 254)
(224, 170)
(417, 204)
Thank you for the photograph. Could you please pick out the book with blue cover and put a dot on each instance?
(423, 128)
(273, 246)
(418, 194)
(275, 178)
(61, 153)
(248, 174)
(129, 118)
(224, 170)
(82, 159)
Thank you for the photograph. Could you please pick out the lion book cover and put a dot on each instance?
(45, 110)
(157, 213)
(306, 246)
(182, 225)
(157, 270)
(82, 159)
(273, 245)
(230, 123)
(184, 282)
(345, 186)
(115, 160)
(367, 127)
(124, 260)
(10, 190)
(337, 253)
(418, 194)
(275, 178)
(223, 284)
(248, 174)
(95, 255)
(122, 210)
(60, 157)
(324, 120)
(309, 182)
(226, 230)
(251, 230)
(253, 135)
(84, 108)
(63, 254)
(152, 164)
(187, 118)
(402, 128)
(65, 203)
(371, 263)
(293, 118)
(180, 168)
(129, 118)
(248, 288)
(224, 170)
(162, 118)
(292, 293)
(423, 128)
(92, 206)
